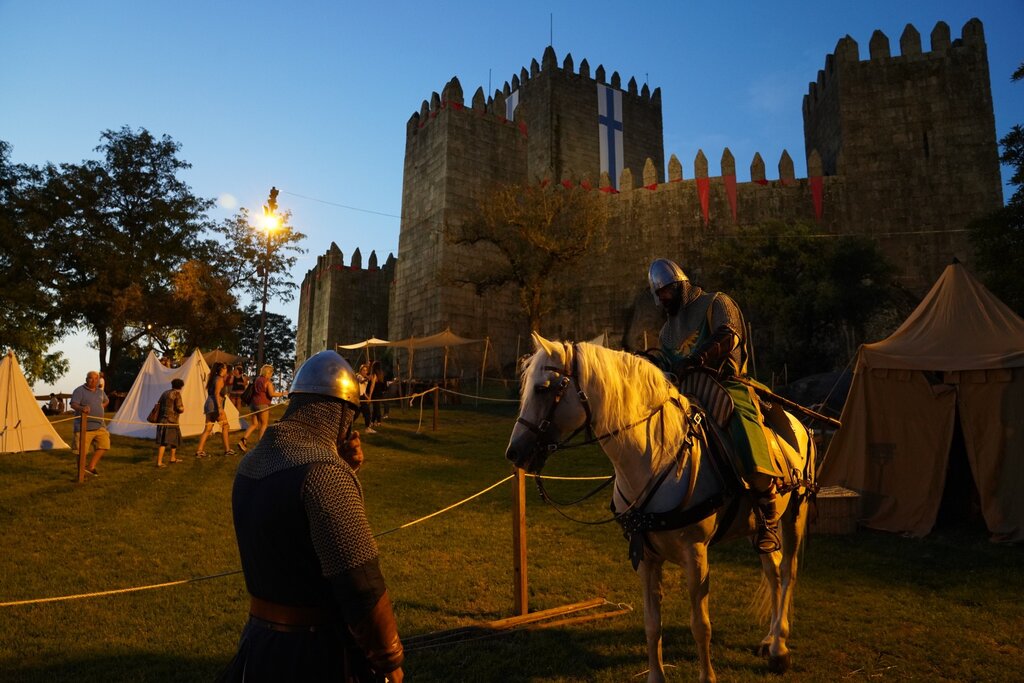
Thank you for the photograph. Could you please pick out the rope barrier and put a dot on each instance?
(168, 584)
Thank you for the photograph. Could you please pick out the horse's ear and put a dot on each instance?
(540, 342)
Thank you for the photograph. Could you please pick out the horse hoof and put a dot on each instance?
(778, 664)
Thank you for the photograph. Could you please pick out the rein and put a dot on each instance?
(570, 375)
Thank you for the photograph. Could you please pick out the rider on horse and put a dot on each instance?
(706, 330)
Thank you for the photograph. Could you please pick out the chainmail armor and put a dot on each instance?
(307, 436)
(680, 332)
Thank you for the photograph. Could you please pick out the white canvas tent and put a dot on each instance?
(154, 379)
(959, 354)
(24, 426)
(446, 339)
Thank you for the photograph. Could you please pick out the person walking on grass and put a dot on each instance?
(87, 400)
(263, 395)
(216, 394)
(363, 377)
(168, 433)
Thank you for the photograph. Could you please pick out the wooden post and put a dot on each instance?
(437, 399)
(81, 443)
(521, 604)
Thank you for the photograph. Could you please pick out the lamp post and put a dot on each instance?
(270, 223)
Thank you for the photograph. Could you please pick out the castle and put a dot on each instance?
(899, 147)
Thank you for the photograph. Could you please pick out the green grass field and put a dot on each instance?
(869, 606)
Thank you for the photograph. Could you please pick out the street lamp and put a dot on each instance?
(270, 222)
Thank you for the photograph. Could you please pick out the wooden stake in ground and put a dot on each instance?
(81, 443)
(520, 601)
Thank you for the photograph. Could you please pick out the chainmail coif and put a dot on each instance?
(331, 493)
(307, 433)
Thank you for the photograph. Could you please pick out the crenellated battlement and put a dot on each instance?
(497, 106)
(847, 54)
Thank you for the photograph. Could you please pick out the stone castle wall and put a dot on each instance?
(901, 148)
(341, 304)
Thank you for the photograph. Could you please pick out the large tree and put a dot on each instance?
(535, 229)
(255, 251)
(122, 226)
(809, 298)
(998, 238)
(29, 320)
(279, 349)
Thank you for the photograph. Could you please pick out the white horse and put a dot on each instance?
(645, 424)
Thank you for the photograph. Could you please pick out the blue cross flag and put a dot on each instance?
(511, 102)
(609, 129)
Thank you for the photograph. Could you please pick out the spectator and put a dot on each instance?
(52, 406)
(363, 377)
(378, 387)
(239, 381)
(319, 607)
(88, 400)
(263, 394)
(216, 394)
(168, 434)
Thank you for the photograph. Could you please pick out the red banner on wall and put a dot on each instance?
(730, 191)
(703, 189)
(817, 195)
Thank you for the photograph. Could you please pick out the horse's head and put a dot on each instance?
(550, 406)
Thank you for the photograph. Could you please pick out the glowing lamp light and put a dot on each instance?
(270, 222)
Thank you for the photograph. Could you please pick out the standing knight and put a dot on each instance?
(706, 330)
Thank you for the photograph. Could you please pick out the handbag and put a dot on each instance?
(154, 415)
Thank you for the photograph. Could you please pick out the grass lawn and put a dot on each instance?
(868, 606)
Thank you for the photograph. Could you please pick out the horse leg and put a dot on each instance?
(698, 584)
(650, 573)
(794, 526)
(773, 645)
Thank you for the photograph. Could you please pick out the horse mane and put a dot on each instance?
(623, 388)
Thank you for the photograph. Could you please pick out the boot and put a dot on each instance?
(767, 538)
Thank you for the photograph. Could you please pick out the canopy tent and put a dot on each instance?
(153, 380)
(445, 339)
(25, 428)
(959, 355)
(366, 344)
(218, 356)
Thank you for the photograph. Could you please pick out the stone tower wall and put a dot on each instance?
(913, 135)
(342, 304)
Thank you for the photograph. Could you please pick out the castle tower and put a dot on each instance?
(548, 123)
(341, 304)
(912, 135)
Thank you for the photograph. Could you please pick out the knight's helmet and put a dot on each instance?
(663, 272)
(327, 374)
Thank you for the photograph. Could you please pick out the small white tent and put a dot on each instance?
(25, 428)
(153, 380)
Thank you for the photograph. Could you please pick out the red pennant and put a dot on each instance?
(609, 190)
(586, 185)
(703, 188)
(730, 191)
(817, 184)
(567, 184)
(652, 186)
(762, 181)
(522, 128)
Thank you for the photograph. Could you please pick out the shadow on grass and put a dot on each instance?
(136, 666)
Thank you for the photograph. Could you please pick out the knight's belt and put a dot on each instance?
(291, 617)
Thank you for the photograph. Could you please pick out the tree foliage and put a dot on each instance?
(808, 298)
(279, 344)
(536, 229)
(124, 225)
(254, 249)
(29, 320)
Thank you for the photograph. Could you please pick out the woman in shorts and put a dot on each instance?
(216, 392)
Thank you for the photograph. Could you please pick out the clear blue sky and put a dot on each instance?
(313, 97)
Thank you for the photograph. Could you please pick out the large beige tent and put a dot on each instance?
(24, 427)
(960, 354)
(154, 379)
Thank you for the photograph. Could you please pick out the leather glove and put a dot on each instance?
(377, 636)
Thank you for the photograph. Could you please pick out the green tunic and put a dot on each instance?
(686, 331)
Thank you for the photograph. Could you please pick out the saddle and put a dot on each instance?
(704, 388)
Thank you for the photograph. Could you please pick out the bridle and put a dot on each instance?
(569, 374)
